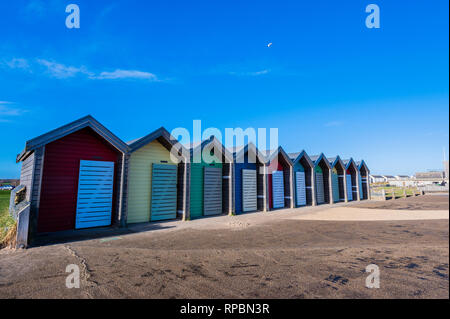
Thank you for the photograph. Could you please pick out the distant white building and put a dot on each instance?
(389, 178)
(403, 177)
(376, 179)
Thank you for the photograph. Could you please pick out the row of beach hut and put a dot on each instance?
(81, 176)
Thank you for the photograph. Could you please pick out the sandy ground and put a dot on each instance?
(427, 202)
(371, 214)
(280, 254)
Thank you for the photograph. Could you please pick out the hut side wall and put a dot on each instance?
(226, 187)
(26, 174)
(35, 192)
(287, 185)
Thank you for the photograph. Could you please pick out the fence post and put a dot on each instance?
(383, 192)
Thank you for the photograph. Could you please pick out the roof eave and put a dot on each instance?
(87, 121)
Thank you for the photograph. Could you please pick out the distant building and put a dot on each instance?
(376, 179)
(426, 176)
(402, 177)
(13, 182)
(446, 169)
(388, 178)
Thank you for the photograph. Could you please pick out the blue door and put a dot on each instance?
(238, 184)
(95, 193)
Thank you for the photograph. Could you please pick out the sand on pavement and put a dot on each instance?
(261, 255)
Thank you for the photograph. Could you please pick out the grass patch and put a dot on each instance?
(6, 221)
(398, 190)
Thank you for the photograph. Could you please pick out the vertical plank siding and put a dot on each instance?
(287, 185)
(335, 183)
(260, 187)
(95, 194)
(140, 179)
(239, 184)
(196, 199)
(164, 192)
(226, 187)
(212, 197)
(57, 201)
(26, 174)
(36, 191)
(196, 195)
(183, 171)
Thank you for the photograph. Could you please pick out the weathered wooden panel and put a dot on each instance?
(287, 186)
(239, 184)
(212, 194)
(26, 174)
(196, 202)
(349, 187)
(364, 188)
(341, 187)
(320, 196)
(226, 188)
(260, 179)
(196, 198)
(300, 188)
(335, 184)
(249, 190)
(278, 189)
(361, 194)
(164, 192)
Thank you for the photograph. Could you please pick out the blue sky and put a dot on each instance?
(327, 82)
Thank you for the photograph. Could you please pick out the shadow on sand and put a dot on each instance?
(104, 233)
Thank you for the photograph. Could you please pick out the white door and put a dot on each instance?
(278, 189)
(300, 188)
(95, 193)
(349, 187)
(249, 190)
(320, 195)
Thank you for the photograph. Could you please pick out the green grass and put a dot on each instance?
(398, 191)
(6, 221)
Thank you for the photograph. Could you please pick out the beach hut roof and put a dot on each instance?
(317, 158)
(270, 155)
(295, 157)
(86, 121)
(164, 137)
(240, 151)
(196, 148)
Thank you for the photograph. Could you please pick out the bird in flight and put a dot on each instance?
(269, 45)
